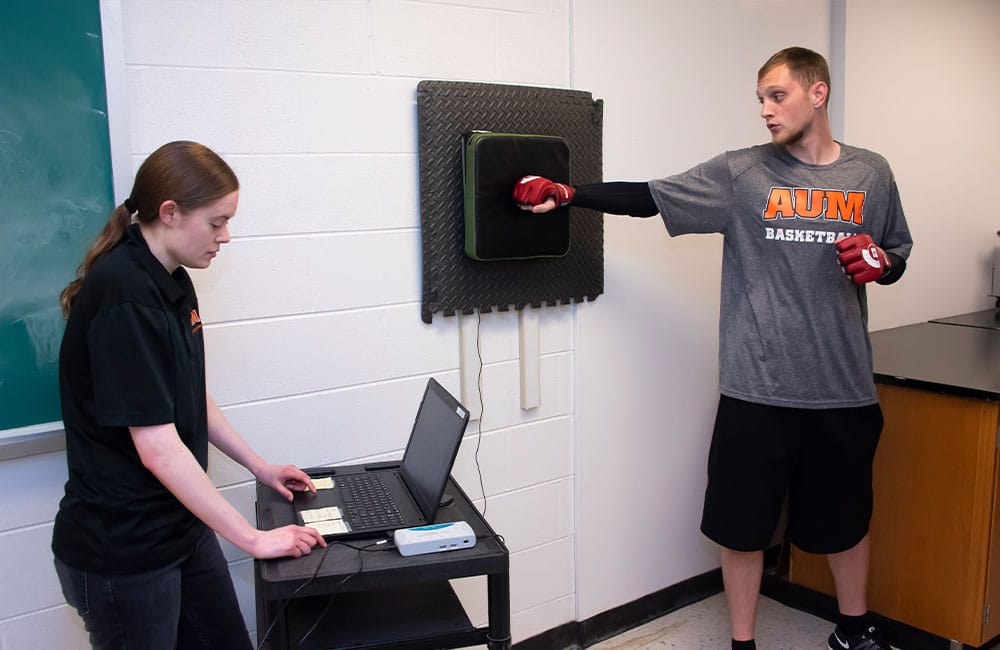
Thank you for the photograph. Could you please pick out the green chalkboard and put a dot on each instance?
(55, 187)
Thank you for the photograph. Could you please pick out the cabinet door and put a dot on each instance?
(934, 482)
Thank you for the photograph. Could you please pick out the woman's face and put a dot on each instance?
(195, 236)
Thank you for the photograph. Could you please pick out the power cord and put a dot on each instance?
(496, 536)
(482, 407)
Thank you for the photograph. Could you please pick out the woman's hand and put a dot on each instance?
(287, 541)
(284, 479)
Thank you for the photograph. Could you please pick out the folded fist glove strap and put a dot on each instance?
(861, 258)
(535, 190)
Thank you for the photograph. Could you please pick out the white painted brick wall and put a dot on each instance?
(316, 349)
(325, 193)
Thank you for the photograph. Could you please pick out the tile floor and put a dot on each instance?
(705, 626)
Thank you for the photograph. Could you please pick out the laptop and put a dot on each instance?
(367, 500)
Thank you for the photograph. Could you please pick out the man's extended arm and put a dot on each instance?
(541, 195)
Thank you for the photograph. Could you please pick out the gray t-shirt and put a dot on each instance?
(793, 327)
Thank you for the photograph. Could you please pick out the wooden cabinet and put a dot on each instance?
(935, 533)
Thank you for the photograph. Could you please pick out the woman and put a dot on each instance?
(133, 540)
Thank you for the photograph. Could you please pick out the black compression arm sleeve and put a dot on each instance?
(617, 198)
(896, 267)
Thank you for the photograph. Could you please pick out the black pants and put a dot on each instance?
(190, 604)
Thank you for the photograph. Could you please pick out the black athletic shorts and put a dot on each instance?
(820, 458)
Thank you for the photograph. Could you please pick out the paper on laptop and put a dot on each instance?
(321, 514)
(328, 521)
(330, 527)
(325, 483)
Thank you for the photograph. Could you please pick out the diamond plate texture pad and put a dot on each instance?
(454, 283)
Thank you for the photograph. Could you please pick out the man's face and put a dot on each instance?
(788, 109)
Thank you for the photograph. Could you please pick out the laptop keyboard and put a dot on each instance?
(368, 502)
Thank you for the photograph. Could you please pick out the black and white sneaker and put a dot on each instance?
(867, 640)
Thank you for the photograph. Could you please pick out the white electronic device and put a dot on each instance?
(434, 538)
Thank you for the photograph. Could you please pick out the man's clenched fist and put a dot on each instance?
(861, 258)
(533, 191)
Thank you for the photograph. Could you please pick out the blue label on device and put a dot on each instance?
(432, 527)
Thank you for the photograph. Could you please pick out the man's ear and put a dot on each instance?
(819, 93)
(168, 212)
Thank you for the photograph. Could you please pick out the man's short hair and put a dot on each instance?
(806, 66)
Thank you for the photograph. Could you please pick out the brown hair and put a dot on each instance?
(188, 173)
(806, 66)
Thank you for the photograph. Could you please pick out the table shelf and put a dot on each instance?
(425, 615)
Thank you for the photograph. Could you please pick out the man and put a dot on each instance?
(807, 222)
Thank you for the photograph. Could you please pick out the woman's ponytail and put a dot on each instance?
(110, 235)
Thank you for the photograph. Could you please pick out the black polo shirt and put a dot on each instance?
(132, 355)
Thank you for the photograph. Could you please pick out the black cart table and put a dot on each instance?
(342, 597)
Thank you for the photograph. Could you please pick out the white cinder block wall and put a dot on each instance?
(316, 349)
(315, 343)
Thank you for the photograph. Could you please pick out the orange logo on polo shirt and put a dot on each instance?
(812, 203)
(195, 321)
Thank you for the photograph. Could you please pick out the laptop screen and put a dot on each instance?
(434, 441)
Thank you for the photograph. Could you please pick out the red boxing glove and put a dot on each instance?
(535, 190)
(861, 258)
